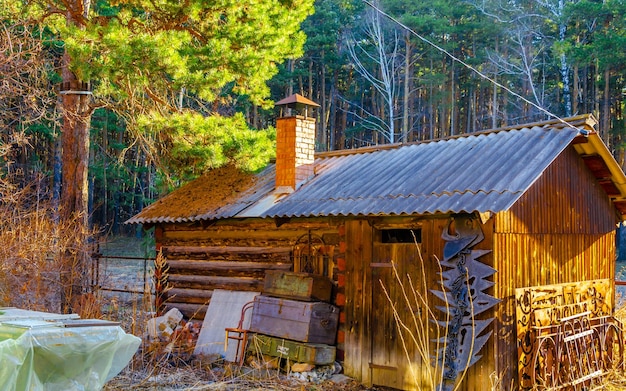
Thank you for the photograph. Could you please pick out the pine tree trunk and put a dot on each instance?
(323, 103)
(575, 90)
(605, 123)
(75, 142)
(74, 179)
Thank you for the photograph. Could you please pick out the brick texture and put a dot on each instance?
(295, 151)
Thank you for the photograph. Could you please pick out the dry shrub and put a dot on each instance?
(27, 94)
(41, 257)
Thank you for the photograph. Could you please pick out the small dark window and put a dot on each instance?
(401, 235)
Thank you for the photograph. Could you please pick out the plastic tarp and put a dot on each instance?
(66, 354)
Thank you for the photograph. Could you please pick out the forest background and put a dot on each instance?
(376, 83)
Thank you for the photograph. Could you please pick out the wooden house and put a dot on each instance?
(493, 225)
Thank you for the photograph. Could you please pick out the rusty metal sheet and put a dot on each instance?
(556, 321)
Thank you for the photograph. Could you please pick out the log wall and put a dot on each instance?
(231, 255)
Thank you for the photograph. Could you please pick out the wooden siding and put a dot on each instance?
(374, 351)
(562, 230)
(231, 255)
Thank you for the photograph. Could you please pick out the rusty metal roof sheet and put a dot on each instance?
(479, 172)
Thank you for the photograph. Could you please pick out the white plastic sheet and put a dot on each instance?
(55, 355)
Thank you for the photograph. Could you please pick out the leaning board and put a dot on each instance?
(224, 311)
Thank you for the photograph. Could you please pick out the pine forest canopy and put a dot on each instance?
(180, 86)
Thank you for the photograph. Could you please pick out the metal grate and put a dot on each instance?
(577, 353)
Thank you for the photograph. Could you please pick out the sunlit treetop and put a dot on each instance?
(161, 46)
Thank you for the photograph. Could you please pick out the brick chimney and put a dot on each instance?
(295, 143)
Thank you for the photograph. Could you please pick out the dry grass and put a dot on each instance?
(617, 379)
(41, 257)
(220, 377)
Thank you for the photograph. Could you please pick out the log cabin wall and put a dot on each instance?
(562, 230)
(374, 347)
(230, 254)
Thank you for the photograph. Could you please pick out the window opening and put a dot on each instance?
(401, 235)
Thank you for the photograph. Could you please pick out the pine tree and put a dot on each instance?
(139, 57)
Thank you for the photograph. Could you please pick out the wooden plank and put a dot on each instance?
(210, 250)
(226, 253)
(197, 296)
(383, 361)
(225, 310)
(221, 266)
(215, 282)
(358, 300)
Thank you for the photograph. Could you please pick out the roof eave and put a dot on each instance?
(593, 145)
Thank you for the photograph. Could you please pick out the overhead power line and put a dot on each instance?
(479, 73)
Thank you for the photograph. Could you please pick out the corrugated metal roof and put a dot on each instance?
(480, 172)
(486, 172)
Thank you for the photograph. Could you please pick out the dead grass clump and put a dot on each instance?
(41, 257)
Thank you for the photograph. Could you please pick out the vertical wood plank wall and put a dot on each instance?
(358, 300)
(562, 230)
(362, 346)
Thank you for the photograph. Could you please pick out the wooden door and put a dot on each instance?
(388, 362)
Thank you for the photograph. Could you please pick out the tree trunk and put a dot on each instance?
(332, 122)
(576, 91)
(75, 161)
(323, 125)
(75, 142)
(407, 87)
(453, 100)
(290, 67)
(605, 123)
(567, 95)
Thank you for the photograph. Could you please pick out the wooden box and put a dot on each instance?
(310, 353)
(314, 322)
(297, 286)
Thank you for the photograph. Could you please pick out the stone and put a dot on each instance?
(340, 378)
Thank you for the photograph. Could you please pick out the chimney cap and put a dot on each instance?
(296, 103)
(296, 100)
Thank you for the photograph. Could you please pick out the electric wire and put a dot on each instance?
(479, 73)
